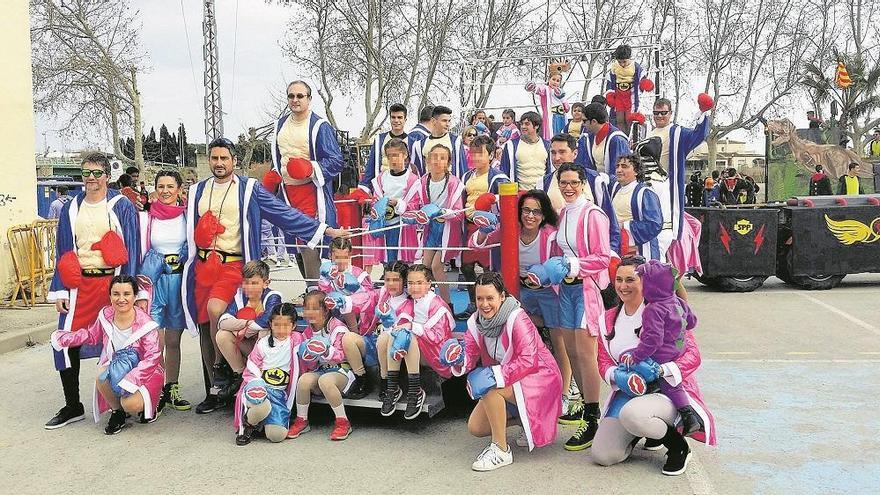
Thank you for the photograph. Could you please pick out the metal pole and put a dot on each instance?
(509, 236)
(213, 108)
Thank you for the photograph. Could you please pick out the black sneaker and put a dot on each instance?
(468, 311)
(583, 436)
(65, 416)
(677, 459)
(359, 389)
(209, 405)
(653, 444)
(142, 418)
(246, 435)
(383, 389)
(574, 414)
(414, 403)
(222, 375)
(690, 420)
(116, 423)
(389, 402)
(231, 388)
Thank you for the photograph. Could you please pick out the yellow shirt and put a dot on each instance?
(663, 134)
(624, 74)
(622, 202)
(92, 222)
(875, 148)
(575, 128)
(223, 202)
(475, 186)
(852, 185)
(432, 141)
(531, 163)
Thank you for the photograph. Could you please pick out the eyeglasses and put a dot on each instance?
(297, 96)
(661, 113)
(531, 211)
(569, 183)
(470, 135)
(94, 173)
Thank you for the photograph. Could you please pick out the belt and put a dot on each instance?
(572, 281)
(173, 260)
(97, 272)
(558, 109)
(524, 281)
(332, 367)
(624, 86)
(667, 226)
(224, 256)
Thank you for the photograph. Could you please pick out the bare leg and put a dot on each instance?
(259, 412)
(382, 344)
(172, 355)
(133, 403)
(434, 260)
(489, 417)
(559, 352)
(350, 320)
(216, 307)
(413, 356)
(107, 392)
(229, 350)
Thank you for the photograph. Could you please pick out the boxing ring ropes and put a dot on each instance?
(348, 214)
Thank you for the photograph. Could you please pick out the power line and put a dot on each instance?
(192, 67)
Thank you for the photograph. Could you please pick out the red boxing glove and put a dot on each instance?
(271, 181)
(637, 117)
(112, 249)
(485, 201)
(612, 268)
(208, 272)
(130, 193)
(611, 99)
(361, 196)
(69, 270)
(646, 84)
(246, 313)
(299, 168)
(207, 228)
(705, 102)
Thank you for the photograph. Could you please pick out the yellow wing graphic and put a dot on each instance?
(850, 231)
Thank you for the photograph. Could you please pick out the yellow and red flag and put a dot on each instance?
(841, 78)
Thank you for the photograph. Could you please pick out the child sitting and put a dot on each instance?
(266, 396)
(327, 372)
(245, 321)
(665, 321)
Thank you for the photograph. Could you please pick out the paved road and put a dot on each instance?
(789, 374)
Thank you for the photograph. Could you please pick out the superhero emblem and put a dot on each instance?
(532, 281)
(724, 235)
(453, 353)
(849, 232)
(276, 377)
(330, 303)
(636, 384)
(743, 227)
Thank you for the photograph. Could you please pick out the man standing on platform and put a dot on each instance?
(526, 159)
(376, 163)
(223, 229)
(441, 119)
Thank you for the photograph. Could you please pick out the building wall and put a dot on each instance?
(18, 196)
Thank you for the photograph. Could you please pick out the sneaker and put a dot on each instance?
(574, 415)
(359, 389)
(230, 389)
(522, 440)
(464, 315)
(342, 429)
(246, 435)
(142, 418)
(389, 402)
(209, 405)
(222, 375)
(414, 404)
(116, 422)
(677, 461)
(299, 426)
(492, 457)
(652, 444)
(65, 416)
(175, 401)
(583, 436)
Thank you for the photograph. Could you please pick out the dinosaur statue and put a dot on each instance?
(834, 159)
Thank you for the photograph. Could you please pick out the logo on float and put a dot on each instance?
(849, 232)
(743, 226)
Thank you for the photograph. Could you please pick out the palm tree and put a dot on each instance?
(857, 103)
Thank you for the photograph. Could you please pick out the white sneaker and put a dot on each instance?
(521, 440)
(492, 457)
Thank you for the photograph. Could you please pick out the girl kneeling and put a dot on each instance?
(130, 373)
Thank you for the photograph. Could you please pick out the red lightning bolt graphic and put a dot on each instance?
(759, 239)
(725, 237)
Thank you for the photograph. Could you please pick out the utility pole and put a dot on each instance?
(213, 108)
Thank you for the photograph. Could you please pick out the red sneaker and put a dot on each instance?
(342, 429)
(298, 427)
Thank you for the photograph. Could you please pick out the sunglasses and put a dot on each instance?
(661, 113)
(94, 173)
(297, 96)
(470, 134)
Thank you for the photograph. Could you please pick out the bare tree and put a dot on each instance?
(85, 57)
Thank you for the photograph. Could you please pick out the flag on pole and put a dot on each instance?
(841, 78)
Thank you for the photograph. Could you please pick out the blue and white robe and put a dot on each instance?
(509, 164)
(647, 220)
(598, 183)
(270, 298)
(682, 141)
(457, 165)
(123, 221)
(373, 167)
(256, 203)
(495, 179)
(417, 134)
(611, 86)
(616, 144)
(326, 160)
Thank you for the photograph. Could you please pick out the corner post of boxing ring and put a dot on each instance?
(509, 194)
(348, 215)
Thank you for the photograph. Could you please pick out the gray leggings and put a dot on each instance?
(645, 416)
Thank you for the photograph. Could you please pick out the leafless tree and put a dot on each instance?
(85, 57)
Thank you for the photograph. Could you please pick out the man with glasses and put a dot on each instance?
(305, 159)
(678, 142)
(223, 219)
(526, 159)
(377, 163)
(441, 119)
(97, 238)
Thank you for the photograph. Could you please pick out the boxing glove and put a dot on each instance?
(255, 392)
(361, 196)
(647, 369)
(69, 270)
(271, 180)
(646, 84)
(557, 269)
(153, 265)
(386, 314)
(328, 269)
(487, 222)
(537, 276)
(207, 228)
(626, 359)
(400, 341)
(480, 381)
(335, 300)
(629, 382)
(452, 353)
(485, 201)
(112, 249)
(705, 102)
(299, 168)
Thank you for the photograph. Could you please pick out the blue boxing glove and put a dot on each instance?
(431, 211)
(486, 221)
(647, 369)
(400, 341)
(629, 382)
(537, 276)
(335, 300)
(153, 265)
(452, 353)
(123, 361)
(255, 392)
(312, 349)
(329, 269)
(557, 268)
(386, 314)
(481, 128)
(350, 284)
(377, 216)
(480, 382)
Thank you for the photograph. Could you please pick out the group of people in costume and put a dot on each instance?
(601, 253)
